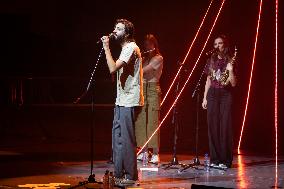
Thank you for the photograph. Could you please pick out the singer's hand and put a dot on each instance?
(229, 67)
(105, 41)
(204, 104)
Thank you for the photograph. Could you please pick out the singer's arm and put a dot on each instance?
(113, 66)
(207, 86)
(154, 64)
(232, 77)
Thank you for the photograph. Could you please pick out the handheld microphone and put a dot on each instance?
(211, 51)
(111, 36)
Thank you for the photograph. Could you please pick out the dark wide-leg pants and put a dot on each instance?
(124, 143)
(219, 118)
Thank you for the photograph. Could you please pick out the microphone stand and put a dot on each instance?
(196, 93)
(91, 86)
(175, 123)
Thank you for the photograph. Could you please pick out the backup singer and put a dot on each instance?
(129, 98)
(148, 118)
(218, 102)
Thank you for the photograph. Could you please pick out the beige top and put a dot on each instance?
(153, 75)
(129, 77)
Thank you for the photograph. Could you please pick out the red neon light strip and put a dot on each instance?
(276, 94)
(251, 74)
(185, 81)
(186, 54)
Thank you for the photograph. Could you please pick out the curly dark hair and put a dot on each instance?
(129, 28)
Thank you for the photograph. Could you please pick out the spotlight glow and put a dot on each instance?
(276, 94)
(251, 74)
(242, 173)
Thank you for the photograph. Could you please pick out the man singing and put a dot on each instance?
(129, 98)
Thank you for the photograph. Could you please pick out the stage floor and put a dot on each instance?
(248, 171)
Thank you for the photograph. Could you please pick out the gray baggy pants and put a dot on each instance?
(124, 143)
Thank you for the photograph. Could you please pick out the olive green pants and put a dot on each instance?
(148, 117)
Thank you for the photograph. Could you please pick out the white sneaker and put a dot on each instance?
(214, 165)
(155, 159)
(140, 157)
(223, 166)
(126, 182)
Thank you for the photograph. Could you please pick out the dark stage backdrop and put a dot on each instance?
(48, 50)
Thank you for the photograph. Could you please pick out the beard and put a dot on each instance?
(120, 39)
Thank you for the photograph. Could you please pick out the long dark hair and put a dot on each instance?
(152, 39)
(226, 54)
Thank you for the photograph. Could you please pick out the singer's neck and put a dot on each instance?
(124, 43)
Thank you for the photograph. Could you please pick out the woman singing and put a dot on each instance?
(218, 102)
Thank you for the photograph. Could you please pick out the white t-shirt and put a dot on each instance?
(129, 77)
(154, 75)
